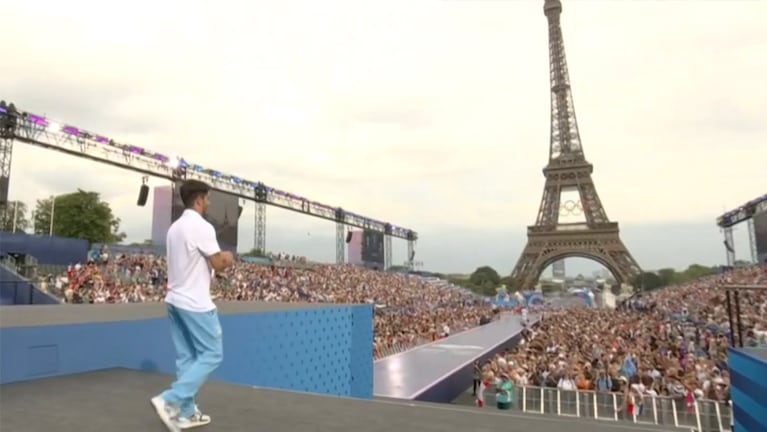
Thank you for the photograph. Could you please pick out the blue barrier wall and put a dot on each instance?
(17, 291)
(749, 388)
(47, 250)
(323, 350)
(362, 351)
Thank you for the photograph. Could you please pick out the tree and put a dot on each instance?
(80, 215)
(668, 276)
(511, 285)
(695, 271)
(647, 281)
(485, 275)
(484, 281)
(14, 210)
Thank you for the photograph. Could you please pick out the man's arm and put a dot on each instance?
(208, 245)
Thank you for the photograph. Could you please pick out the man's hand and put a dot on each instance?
(228, 258)
(221, 261)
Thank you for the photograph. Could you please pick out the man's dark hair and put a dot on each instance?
(191, 190)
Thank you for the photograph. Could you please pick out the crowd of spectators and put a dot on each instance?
(670, 342)
(409, 310)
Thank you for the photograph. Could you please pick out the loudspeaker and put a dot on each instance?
(143, 194)
(4, 183)
(348, 236)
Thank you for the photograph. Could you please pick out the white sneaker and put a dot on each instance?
(195, 420)
(167, 413)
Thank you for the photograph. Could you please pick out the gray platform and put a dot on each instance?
(45, 315)
(411, 373)
(118, 401)
(760, 353)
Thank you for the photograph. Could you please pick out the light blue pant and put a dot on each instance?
(198, 341)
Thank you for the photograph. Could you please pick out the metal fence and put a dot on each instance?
(386, 351)
(701, 416)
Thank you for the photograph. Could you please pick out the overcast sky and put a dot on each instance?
(433, 115)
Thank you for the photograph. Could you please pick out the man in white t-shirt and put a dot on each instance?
(193, 254)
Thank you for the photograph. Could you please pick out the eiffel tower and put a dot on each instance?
(568, 171)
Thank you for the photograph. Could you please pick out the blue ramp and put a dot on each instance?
(442, 370)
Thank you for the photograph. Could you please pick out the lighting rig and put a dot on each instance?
(736, 216)
(38, 130)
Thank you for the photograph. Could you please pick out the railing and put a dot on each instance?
(386, 351)
(703, 416)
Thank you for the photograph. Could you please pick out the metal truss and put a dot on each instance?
(729, 246)
(40, 131)
(752, 241)
(7, 126)
(259, 242)
(411, 251)
(340, 243)
(742, 213)
(6, 155)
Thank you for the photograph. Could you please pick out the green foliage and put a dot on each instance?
(484, 280)
(257, 253)
(398, 268)
(485, 275)
(14, 210)
(79, 214)
(508, 283)
(650, 281)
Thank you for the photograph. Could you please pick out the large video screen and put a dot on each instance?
(223, 214)
(373, 247)
(760, 228)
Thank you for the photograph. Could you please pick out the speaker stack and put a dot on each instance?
(143, 194)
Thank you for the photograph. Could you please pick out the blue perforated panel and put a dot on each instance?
(749, 390)
(362, 351)
(305, 350)
(326, 351)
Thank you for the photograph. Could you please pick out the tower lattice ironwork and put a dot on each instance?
(568, 171)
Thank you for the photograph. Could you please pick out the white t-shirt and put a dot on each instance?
(190, 241)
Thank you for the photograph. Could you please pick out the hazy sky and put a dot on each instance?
(433, 115)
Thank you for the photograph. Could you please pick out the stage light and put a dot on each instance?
(70, 130)
(36, 120)
(53, 127)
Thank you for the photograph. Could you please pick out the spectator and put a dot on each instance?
(409, 310)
